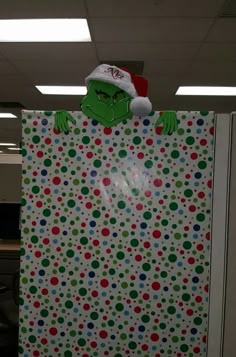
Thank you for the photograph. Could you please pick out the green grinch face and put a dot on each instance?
(106, 103)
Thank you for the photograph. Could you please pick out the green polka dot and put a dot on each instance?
(72, 153)
(171, 310)
(69, 304)
(173, 206)
(81, 342)
(202, 165)
(175, 154)
(187, 245)
(190, 140)
(70, 253)
(146, 266)
(186, 297)
(133, 294)
(36, 139)
(197, 321)
(119, 307)
(184, 348)
(122, 154)
(137, 140)
(132, 345)
(97, 163)
(85, 140)
(147, 215)
(172, 258)
(145, 318)
(120, 255)
(134, 242)
(121, 204)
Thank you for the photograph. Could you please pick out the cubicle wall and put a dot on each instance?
(116, 237)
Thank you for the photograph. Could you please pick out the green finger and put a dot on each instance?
(65, 125)
(164, 130)
(59, 121)
(56, 122)
(71, 119)
(159, 121)
(172, 126)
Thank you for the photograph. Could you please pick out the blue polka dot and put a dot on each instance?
(196, 227)
(93, 173)
(91, 274)
(146, 122)
(142, 277)
(200, 122)
(43, 222)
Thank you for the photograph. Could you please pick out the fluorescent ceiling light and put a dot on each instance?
(7, 115)
(7, 144)
(63, 90)
(212, 91)
(44, 30)
(14, 148)
(1, 152)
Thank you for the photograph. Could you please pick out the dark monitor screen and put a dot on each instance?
(10, 220)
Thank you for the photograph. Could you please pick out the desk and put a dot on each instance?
(9, 246)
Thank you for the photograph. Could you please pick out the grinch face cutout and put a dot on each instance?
(106, 103)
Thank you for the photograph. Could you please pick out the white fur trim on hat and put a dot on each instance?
(115, 76)
(141, 106)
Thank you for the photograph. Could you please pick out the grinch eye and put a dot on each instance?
(103, 97)
(118, 96)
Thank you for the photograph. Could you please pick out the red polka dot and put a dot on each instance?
(139, 206)
(56, 180)
(148, 193)
(156, 234)
(86, 307)
(37, 254)
(46, 241)
(94, 293)
(154, 337)
(93, 344)
(145, 347)
(140, 155)
(104, 283)
(106, 181)
(45, 291)
(105, 232)
(198, 299)
(39, 204)
(48, 141)
(89, 155)
(149, 141)
(203, 142)
(54, 281)
(209, 183)
(200, 247)
(211, 131)
(44, 341)
(53, 331)
(55, 230)
(36, 353)
(137, 309)
(40, 154)
(189, 312)
(196, 350)
(103, 334)
(157, 182)
(96, 192)
(191, 260)
(47, 191)
(107, 131)
(192, 208)
(194, 156)
(98, 141)
(138, 258)
(87, 255)
(156, 285)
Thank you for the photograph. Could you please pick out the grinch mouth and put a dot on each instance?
(107, 121)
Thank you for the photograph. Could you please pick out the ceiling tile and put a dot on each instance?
(170, 67)
(50, 51)
(149, 29)
(52, 72)
(146, 51)
(211, 73)
(14, 9)
(217, 51)
(223, 31)
(7, 68)
(125, 8)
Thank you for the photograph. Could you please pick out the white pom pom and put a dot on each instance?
(141, 106)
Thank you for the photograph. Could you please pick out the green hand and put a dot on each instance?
(169, 121)
(62, 118)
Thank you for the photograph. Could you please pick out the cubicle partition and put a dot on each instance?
(117, 253)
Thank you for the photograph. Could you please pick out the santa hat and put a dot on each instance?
(135, 86)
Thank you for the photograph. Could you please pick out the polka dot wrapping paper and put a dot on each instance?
(115, 237)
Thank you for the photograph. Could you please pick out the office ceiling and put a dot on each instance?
(181, 42)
